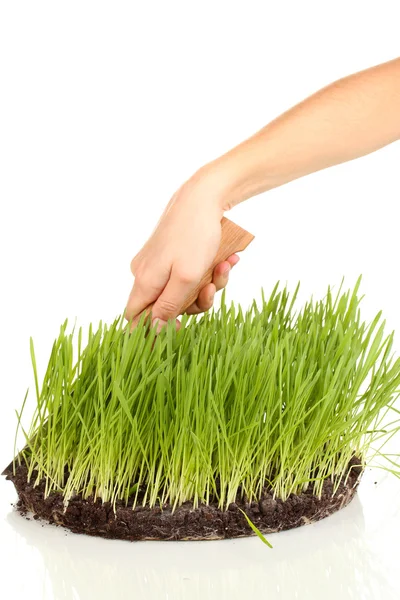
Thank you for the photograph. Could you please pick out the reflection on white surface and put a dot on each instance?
(352, 554)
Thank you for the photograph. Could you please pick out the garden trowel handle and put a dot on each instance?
(233, 239)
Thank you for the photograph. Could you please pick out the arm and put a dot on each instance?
(348, 119)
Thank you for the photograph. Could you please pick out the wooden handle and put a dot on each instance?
(233, 239)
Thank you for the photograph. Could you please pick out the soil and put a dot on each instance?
(206, 522)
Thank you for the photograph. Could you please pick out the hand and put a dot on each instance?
(178, 253)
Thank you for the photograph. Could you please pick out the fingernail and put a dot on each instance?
(159, 323)
(226, 272)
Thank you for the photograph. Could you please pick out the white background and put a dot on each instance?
(105, 109)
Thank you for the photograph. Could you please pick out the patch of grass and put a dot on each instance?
(233, 401)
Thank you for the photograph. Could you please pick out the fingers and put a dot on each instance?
(169, 303)
(233, 260)
(143, 293)
(221, 271)
(160, 324)
(221, 275)
(204, 301)
(137, 302)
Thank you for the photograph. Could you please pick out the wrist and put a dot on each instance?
(237, 175)
(218, 182)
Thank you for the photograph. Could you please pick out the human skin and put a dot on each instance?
(351, 117)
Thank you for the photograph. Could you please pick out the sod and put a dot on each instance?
(239, 422)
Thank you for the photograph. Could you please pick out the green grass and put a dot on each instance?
(232, 402)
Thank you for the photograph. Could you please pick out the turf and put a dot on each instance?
(233, 401)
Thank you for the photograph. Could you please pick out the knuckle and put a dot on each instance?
(187, 276)
(135, 262)
(142, 279)
(167, 306)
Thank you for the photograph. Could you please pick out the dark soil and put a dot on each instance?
(185, 523)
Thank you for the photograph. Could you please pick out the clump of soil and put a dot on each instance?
(207, 522)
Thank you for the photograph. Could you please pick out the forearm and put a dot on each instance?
(348, 119)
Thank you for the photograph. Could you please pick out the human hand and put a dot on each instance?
(176, 256)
